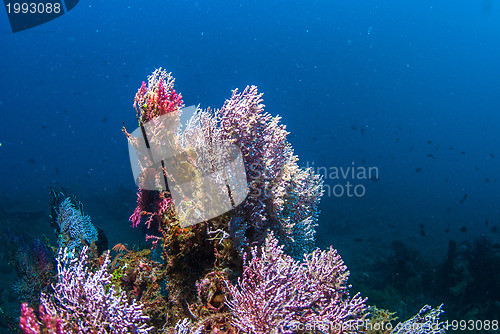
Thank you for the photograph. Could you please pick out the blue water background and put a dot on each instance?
(411, 88)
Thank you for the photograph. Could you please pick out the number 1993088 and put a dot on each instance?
(33, 8)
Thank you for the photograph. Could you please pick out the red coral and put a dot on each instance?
(140, 96)
(157, 97)
(154, 205)
(166, 101)
(53, 324)
(27, 321)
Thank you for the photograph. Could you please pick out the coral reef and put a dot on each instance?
(253, 269)
(283, 197)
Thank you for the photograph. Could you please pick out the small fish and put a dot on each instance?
(494, 229)
(462, 153)
(32, 161)
(463, 199)
(429, 142)
(477, 168)
(418, 170)
(422, 233)
(431, 156)
(463, 229)
(486, 222)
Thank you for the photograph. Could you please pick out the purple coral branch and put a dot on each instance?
(277, 293)
(283, 197)
(87, 302)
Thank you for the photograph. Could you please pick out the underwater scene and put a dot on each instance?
(182, 167)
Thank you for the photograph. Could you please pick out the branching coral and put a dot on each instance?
(283, 198)
(73, 226)
(190, 291)
(84, 301)
(155, 98)
(277, 294)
